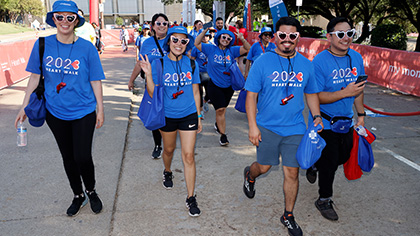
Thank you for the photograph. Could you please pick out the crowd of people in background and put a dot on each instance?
(194, 70)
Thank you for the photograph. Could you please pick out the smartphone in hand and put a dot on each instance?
(361, 78)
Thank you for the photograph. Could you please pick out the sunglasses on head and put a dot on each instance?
(340, 34)
(292, 36)
(69, 18)
(158, 23)
(175, 40)
(224, 37)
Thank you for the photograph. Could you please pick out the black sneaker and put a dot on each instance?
(78, 202)
(192, 206)
(311, 175)
(249, 186)
(291, 225)
(167, 180)
(95, 202)
(216, 128)
(223, 140)
(157, 152)
(326, 209)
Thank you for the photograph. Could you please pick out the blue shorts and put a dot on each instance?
(274, 145)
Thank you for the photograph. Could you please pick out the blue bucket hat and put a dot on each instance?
(264, 30)
(178, 30)
(64, 6)
(219, 33)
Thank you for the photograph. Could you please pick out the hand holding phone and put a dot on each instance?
(361, 78)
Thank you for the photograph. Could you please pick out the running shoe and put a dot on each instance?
(157, 152)
(249, 185)
(95, 202)
(223, 140)
(216, 128)
(311, 174)
(192, 206)
(291, 225)
(167, 180)
(78, 202)
(326, 208)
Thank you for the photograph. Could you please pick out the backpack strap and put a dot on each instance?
(192, 62)
(40, 89)
(327, 117)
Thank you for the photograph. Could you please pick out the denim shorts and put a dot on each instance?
(274, 145)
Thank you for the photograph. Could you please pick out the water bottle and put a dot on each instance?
(22, 138)
(361, 131)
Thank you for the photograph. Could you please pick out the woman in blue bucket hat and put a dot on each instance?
(73, 94)
(257, 49)
(180, 78)
(220, 57)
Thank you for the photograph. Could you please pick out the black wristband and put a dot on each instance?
(316, 116)
(361, 114)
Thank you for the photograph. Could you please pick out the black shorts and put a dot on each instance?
(219, 97)
(189, 122)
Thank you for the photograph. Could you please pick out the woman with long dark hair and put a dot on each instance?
(180, 79)
(220, 57)
(153, 48)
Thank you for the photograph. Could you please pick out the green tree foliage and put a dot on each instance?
(16, 8)
(389, 36)
(119, 21)
(311, 32)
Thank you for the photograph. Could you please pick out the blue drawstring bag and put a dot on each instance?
(237, 79)
(310, 147)
(364, 153)
(151, 111)
(240, 103)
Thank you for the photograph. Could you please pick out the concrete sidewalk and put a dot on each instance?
(34, 191)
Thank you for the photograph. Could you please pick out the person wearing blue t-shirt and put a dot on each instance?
(144, 34)
(277, 85)
(197, 29)
(181, 103)
(257, 49)
(337, 70)
(153, 48)
(201, 59)
(220, 57)
(72, 74)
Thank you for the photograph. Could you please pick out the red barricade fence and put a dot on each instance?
(394, 69)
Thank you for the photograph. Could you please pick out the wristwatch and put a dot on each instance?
(361, 114)
(316, 116)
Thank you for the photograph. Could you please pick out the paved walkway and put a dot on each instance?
(34, 191)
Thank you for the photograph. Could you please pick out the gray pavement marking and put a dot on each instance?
(401, 158)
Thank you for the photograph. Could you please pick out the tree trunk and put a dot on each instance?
(365, 34)
(417, 44)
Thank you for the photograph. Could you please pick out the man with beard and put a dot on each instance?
(280, 79)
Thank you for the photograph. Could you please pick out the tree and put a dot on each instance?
(408, 10)
(16, 8)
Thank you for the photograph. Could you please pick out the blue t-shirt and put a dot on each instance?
(257, 50)
(269, 77)
(184, 105)
(74, 64)
(201, 59)
(138, 40)
(195, 33)
(149, 48)
(219, 62)
(334, 73)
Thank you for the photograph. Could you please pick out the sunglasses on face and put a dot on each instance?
(69, 18)
(266, 35)
(340, 34)
(292, 36)
(165, 23)
(224, 37)
(175, 40)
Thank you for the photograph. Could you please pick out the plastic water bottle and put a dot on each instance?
(361, 131)
(22, 138)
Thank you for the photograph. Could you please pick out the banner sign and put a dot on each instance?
(247, 16)
(278, 10)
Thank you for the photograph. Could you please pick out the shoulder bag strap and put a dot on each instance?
(158, 45)
(40, 89)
